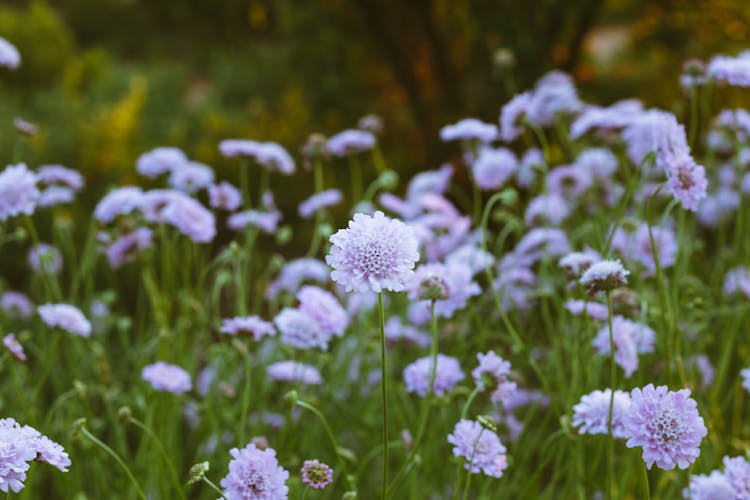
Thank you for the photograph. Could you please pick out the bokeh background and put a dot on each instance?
(106, 80)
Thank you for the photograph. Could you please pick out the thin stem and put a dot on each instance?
(117, 458)
(246, 396)
(613, 375)
(163, 453)
(384, 394)
(214, 487)
(468, 402)
(471, 464)
(646, 488)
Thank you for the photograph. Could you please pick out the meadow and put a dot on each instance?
(557, 311)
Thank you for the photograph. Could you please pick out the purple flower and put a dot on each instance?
(18, 191)
(45, 259)
(16, 305)
(471, 257)
(459, 287)
(160, 161)
(320, 200)
(592, 413)
(687, 182)
(666, 425)
(292, 371)
(396, 331)
(191, 218)
(255, 474)
(575, 264)
(658, 132)
(300, 330)
(493, 374)
(265, 221)
(374, 253)
(191, 177)
(10, 58)
(275, 158)
(737, 280)
(593, 310)
(709, 487)
(224, 196)
(429, 182)
(350, 142)
(316, 475)
(493, 168)
(731, 70)
(569, 181)
(469, 129)
(65, 317)
(480, 447)
(232, 148)
(14, 347)
(59, 175)
(56, 195)
(554, 94)
(745, 374)
(637, 246)
(613, 117)
(253, 325)
(120, 201)
(511, 116)
(605, 275)
(545, 209)
(447, 374)
(599, 163)
(166, 377)
(737, 472)
(126, 247)
(630, 339)
(296, 272)
(526, 173)
(323, 307)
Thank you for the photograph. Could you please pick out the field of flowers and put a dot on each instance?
(569, 324)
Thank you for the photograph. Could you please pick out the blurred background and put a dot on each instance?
(106, 80)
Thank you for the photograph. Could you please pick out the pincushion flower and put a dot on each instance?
(374, 253)
(167, 377)
(493, 168)
(511, 116)
(687, 182)
(447, 374)
(592, 413)
(191, 218)
(225, 196)
(255, 474)
(575, 264)
(60, 175)
(65, 317)
(327, 198)
(45, 259)
(293, 371)
(14, 347)
(737, 472)
(299, 330)
(323, 307)
(16, 305)
(350, 142)
(316, 475)
(604, 276)
(547, 209)
(493, 374)
(714, 486)
(631, 338)
(666, 424)
(294, 273)
(191, 177)
(253, 325)
(480, 448)
(265, 221)
(18, 191)
(120, 201)
(160, 161)
(9, 56)
(469, 129)
(594, 310)
(126, 247)
(457, 282)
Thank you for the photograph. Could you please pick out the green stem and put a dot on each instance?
(613, 375)
(468, 402)
(471, 464)
(163, 453)
(384, 394)
(246, 397)
(646, 488)
(214, 487)
(117, 458)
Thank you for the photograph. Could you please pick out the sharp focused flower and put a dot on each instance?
(480, 448)
(167, 377)
(65, 317)
(592, 413)
(374, 253)
(299, 330)
(666, 425)
(316, 475)
(447, 374)
(253, 325)
(255, 474)
(18, 191)
(493, 374)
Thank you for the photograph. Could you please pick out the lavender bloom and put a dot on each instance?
(24, 127)
(224, 196)
(56, 195)
(666, 425)
(233, 148)
(705, 369)
(255, 474)
(493, 373)
(45, 259)
(511, 116)
(568, 181)
(592, 413)
(604, 276)
(167, 377)
(126, 247)
(537, 244)
(65, 317)
(459, 287)
(57, 174)
(630, 338)
(526, 174)
(161, 161)
(545, 209)
(155, 201)
(327, 198)
(316, 475)
(575, 264)
(18, 191)
(373, 253)
(471, 257)
(737, 280)
(447, 374)
(191, 177)
(292, 371)
(731, 70)
(469, 129)
(191, 218)
(120, 201)
(14, 347)
(656, 131)
(323, 307)
(429, 182)
(350, 142)
(16, 305)
(300, 330)
(253, 325)
(599, 163)
(554, 94)
(265, 221)
(709, 487)
(10, 58)
(637, 246)
(275, 158)
(294, 273)
(737, 472)
(593, 310)
(718, 207)
(687, 182)
(615, 116)
(745, 374)
(396, 331)
(480, 447)
(493, 168)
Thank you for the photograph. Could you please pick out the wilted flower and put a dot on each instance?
(225, 196)
(253, 325)
(10, 58)
(480, 447)
(255, 474)
(592, 413)
(373, 253)
(350, 142)
(300, 330)
(666, 425)
(493, 374)
(66, 317)
(604, 276)
(447, 374)
(18, 191)
(167, 377)
(316, 475)
(160, 161)
(292, 371)
(14, 347)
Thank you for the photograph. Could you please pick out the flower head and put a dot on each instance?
(630, 339)
(9, 57)
(160, 161)
(299, 330)
(65, 317)
(374, 253)
(293, 371)
(225, 196)
(511, 116)
(714, 486)
(469, 129)
(167, 377)
(323, 307)
(126, 247)
(45, 259)
(120, 201)
(14, 347)
(324, 199)
(455, 280)
(604, 276)
(592, 413)
(666, 425)
(316, 475)
(480, 447)
(255, 474)
(294, 273)
(350, 142)
(737, 472)
(447, 374)
(191, 218)
(18, 191)
(16, 305)
(493, 168)
(493, 373)
(59, 175)
(687, 182)
(253, 325)
(191, 177)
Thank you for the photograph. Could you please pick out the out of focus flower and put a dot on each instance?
(252, 325)
(191, 177)
(656, 131)
(429, 182)
(267, 222)
(10, 58)
(161, 161)
(119, 201)
(292, 371)
(554, 94)
(59, 175)
(45, 259)
(18, 191)
(693, 74)
(480, 448)
(24, 127)
(373, 253)
(324, 308)
(593, 310)
(268, 154)
(569, 181)
(493, 168)
(745, 374)
(709, 487)
(396, 331)
(493, 374)
(687, 182)
(737, 472)
(737, 280)
(65, 317)
(636, 246)
(14, 347)
(512, 115)
(191, 218)
(324, 199)
(630, 339)
(371, 123)
(666, 425)
(469, 129)
(350, 142)
(126, 247)
(294, 273)
(547, 209)
(458, 283)
(731, 70)
(604, 276)
(592, 413)
(255, 474)
(575, 264)
(300, 330)
(316, 475)
(471, 257)
(599, 119)
(56, 195)
(16, 305)
(447, 374)
(224, 196)
(167, 377)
